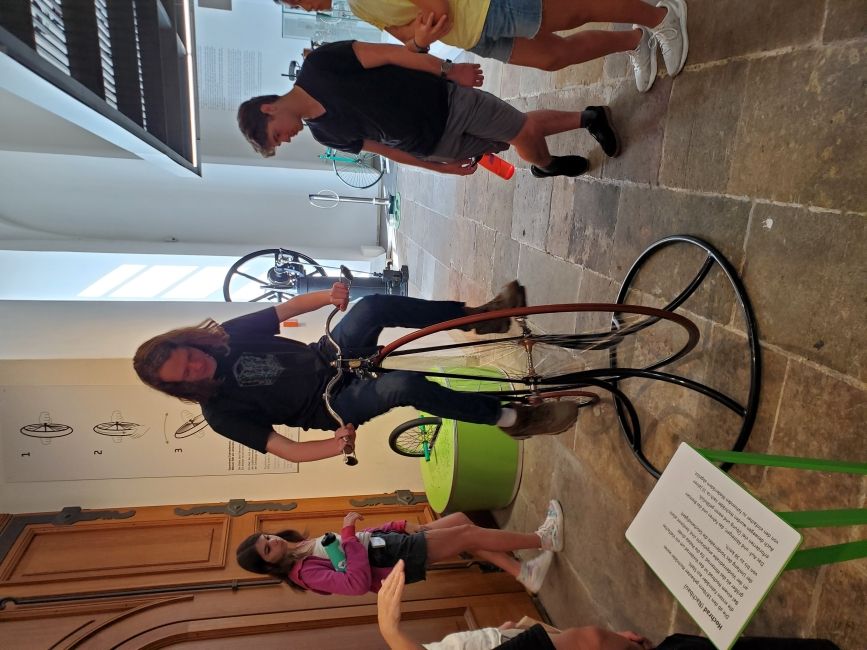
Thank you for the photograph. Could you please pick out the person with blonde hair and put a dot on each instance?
(522, 32)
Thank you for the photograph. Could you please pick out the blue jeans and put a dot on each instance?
(359, 400)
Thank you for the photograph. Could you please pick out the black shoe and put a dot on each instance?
(562, 166)
(512, 295)
(599, 126)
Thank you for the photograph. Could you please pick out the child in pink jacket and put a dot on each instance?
(303, 563)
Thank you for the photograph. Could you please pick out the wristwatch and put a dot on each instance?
(419, 49)
(445, 67)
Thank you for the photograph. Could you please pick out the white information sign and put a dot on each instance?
(717, 548)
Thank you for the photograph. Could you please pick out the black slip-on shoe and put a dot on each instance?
(562, 166)
(600, 127)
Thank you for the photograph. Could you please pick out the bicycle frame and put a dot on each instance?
(331, 155)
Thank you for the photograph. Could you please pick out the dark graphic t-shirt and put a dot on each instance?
(266, 380)
(400, 108)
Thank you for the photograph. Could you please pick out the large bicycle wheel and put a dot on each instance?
(549, 346)
(409, 438)
(269, 275)
(694, 278)
(361, 173)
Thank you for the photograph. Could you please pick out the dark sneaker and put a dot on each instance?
(599, 126)
(512, 295)
(548, 418)
(562, 166)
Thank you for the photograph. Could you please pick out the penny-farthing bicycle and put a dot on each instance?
(545, 357)
(580, 351)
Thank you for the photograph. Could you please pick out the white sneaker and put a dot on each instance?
(671, 36)
(551, 530)
(643, 59)
(533, 572)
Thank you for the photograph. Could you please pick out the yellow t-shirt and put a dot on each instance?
(468, 17)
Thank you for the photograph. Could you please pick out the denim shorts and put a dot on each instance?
(411, 548)
(506, 20)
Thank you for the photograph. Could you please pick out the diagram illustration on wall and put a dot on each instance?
(118, 429)
(45, 429)
(72, 439)
(193, 425)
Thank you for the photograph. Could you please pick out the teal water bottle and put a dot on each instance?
(335, 553)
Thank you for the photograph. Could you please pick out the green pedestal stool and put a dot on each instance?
(472, 466)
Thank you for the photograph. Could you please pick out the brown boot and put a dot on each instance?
(547, 418)
(512, 295)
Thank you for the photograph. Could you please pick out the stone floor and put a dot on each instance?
(758, 148)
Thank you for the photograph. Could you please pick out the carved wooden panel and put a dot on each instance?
(45, 553)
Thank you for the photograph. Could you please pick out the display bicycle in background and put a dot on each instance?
(278, 274)
(361, 170)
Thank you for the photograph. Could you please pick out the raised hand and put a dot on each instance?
(388, 602)
(427, 28)
(351, 518)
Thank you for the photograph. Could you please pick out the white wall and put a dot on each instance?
(65, 188)
(254, 28)
(78, 203)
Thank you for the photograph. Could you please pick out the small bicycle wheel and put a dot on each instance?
(408, 438)
(554, 343)
(361, 173)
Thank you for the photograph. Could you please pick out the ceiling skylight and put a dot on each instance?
(153, 281)
(199, 285)
(111, 280)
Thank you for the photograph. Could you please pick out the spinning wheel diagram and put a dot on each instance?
(193, 425)
(46, 430)
(118, 429)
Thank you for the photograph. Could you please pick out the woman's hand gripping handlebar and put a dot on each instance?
(339, 299)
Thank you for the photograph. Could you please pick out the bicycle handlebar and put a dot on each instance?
(348, 456)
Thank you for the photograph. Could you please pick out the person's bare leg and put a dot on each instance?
(446, 542)
(449, 521)
(498, 558)
(552, 52)
(559, 15)
(530, 141)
